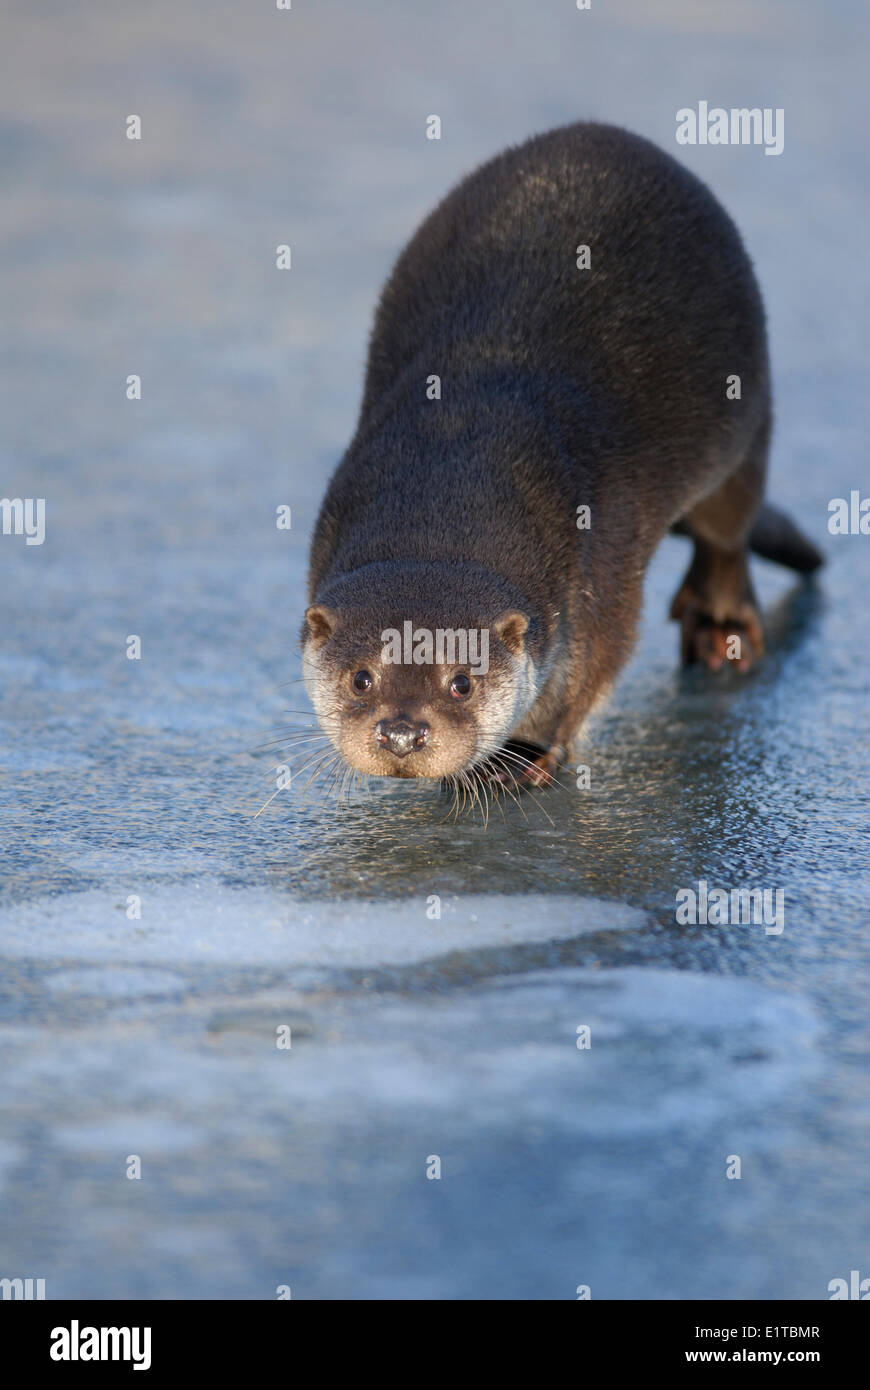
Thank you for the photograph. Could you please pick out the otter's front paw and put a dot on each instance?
(524, 765)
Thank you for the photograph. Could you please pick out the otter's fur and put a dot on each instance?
(560, 388)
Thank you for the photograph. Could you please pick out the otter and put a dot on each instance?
(568, 361)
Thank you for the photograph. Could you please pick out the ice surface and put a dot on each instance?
(219, 926)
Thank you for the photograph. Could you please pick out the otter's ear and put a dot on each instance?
(510, 628)
(321, 623)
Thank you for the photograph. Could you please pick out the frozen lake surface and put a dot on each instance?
(412, 1037)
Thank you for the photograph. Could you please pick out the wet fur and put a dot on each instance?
(560, 387)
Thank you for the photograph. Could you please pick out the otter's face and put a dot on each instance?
(393, 709)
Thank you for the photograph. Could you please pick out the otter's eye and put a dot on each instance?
(460, 686)
(362, 682)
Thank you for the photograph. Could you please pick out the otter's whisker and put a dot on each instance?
(284, 740)
(523, 762)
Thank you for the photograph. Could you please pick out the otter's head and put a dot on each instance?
(406, 698)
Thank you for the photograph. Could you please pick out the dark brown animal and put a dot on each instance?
(561, 388)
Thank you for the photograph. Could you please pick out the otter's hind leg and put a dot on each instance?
(715, 604)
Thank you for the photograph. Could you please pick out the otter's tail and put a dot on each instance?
(775, 537)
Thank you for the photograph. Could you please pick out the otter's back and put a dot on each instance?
(669, 306)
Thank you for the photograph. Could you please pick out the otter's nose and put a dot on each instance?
(401, 736)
